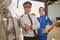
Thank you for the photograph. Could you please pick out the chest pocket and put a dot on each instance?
(27, 21)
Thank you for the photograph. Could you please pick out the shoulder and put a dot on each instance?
(15, 19)
(47, 17)
(22, 16)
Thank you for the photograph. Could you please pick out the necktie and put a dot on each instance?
(32, 24)
(30, 19)
(7, 23)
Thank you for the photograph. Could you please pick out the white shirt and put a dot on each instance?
(25, 20)
(10, 25)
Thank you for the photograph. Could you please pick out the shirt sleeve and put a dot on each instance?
(21, 20)
(49, 21)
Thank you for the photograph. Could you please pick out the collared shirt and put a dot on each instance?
(43, 22)
(10, 25)
(25, 20)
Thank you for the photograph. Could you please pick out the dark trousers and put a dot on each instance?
(29, 38)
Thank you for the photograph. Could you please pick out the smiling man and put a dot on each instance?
(44, 21)
(28, 22)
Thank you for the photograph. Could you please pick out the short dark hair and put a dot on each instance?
(27, 2)
(42, 7)
(6, 10)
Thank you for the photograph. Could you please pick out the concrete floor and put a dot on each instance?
(54, 34)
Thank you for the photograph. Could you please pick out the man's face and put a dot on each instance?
(41, 11)
(27, 9)
(5, 14)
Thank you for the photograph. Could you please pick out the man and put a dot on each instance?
(8, 25)
(28, 22)
(43, 20)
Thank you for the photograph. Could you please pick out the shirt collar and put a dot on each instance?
(42, 15)
(26, 14)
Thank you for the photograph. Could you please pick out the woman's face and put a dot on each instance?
(5, 14)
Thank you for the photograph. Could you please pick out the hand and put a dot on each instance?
(27, 27)
(45, 31)
(11, 31)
